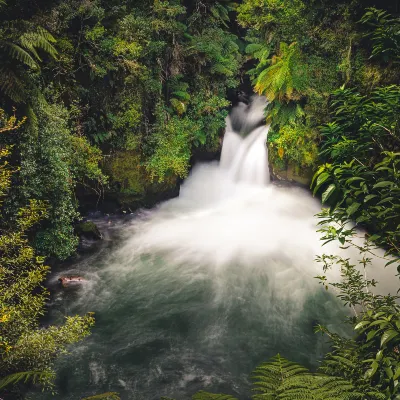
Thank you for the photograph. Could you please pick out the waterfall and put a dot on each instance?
(195, 293)
(246, 157)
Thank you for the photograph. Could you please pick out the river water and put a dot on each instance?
(195, 293)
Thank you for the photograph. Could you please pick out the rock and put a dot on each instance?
(130, 185)
(71, 281)
(88, 230)
(292, 174)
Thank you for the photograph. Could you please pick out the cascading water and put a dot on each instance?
(195, 293)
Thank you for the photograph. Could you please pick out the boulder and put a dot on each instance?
(71, 281)
(88, 230)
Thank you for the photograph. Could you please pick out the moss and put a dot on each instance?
(89, 230)
(130, 183)
(126, 173)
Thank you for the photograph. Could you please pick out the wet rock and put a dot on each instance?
(71, 281)
(292, 174)
(88, 230)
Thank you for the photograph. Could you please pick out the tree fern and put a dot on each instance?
(19, 54)
(28, 376)
(285, 380)
(285, 79)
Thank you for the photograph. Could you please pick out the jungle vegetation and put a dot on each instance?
(109, 102)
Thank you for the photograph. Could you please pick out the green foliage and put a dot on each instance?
(36, 377)
(384, 33)
(371, 358)
(361, 178)
(172, 151)
(286, 380)
(27, 351)
(285, 79)
(19, 55)
(294, 143)
(283, 379)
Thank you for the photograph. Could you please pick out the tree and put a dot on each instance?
(27, 351)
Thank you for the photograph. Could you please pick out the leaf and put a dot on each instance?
(328, 192)
(361, 325)
(370, 197)
(388, 336)
(355, 178)
(383, 184)
(371, 334)
(353, 208)
(396, 374)
(33, 376)
(371, 372)
(320, 180)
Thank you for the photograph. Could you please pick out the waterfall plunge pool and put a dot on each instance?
(195, 293)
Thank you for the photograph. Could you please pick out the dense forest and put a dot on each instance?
(106, 105)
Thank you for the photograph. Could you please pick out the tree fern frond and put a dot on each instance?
(34, 41)
(32, 376)
(18, 53)
(11, 85)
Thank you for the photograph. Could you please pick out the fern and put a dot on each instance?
(28, 376)
(284, 380)
(281, 379)
(19, 56)
(285, 79)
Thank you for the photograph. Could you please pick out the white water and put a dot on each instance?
(207, 285)
(230, 213)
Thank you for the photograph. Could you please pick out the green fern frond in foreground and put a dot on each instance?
(32, 376)
(285, 380)
(281, 379)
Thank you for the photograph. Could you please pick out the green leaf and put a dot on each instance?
(383, 184)
(396, 374)
(328, 192)
(361, 325)
(320, 180)
(369, 197)
(371, 372)
(388, 336)
(371, 334)
(353, 208)
(355, 178)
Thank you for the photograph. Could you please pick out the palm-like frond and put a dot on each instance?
(20, 56)
(28, 376)
(285, 78)
(11, 85)
(18, 53)
(285, 380)
(39, 40)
